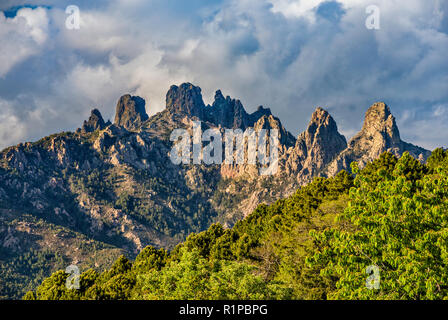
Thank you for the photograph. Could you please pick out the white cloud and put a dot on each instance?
(21, 37)
(12, 128)
(296, 8)
(37, 21)
(307, 8)
(426, 126)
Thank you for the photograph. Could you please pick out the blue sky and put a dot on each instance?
(289, 55)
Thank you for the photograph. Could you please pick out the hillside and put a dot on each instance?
(108, 189)
(316, 244)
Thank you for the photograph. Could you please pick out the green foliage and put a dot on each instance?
(150, 259)
(54, 288)
(438, 158)
(401, 226)
(194, 277)
(316, 244)
(25, 272)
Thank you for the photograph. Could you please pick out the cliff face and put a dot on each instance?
(316, 147)
(185, 100)
(95, 122)
(131, 112)
(113, 185)
(227, 112)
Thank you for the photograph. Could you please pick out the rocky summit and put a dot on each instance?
(131, 112)
(315, 148)
(378, 134)
(86, 197)
(95, 122)
(185, 99)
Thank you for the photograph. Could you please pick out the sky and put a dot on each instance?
(289, 55)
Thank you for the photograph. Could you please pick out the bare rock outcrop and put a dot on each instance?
(95, 122)
(131, 112)
(378, 134)
(185, 99)
(315, 148)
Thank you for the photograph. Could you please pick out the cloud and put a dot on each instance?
(297, 8)
(423, 125)
(12, 128)
(289, 55)
(22, 36)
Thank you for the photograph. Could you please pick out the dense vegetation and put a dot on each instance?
(15, 274)
(316, 244)
(61, 189)
(21, 272)
(146, 201)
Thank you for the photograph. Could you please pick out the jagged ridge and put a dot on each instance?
(114, 183)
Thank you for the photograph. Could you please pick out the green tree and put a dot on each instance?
(149, 259)
(400, 227)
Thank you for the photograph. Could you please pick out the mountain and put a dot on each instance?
(131, 112)
(378, 134)
(95, 122)
(315, 148)
(86, 197)
(314, 245)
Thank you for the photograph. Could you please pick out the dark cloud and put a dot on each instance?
(330, 10)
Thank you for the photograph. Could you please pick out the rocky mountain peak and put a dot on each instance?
(259, 113)
(219, 97)
(316, 147)
(269, 122)
(185, 99)
(319, 115)
(379, 134)
(322, 130)
(95, 122)
(379, 111)
(227, 112)
(131, 112)
(380, 121)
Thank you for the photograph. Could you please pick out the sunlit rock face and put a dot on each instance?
(130, 112)
(378, 134)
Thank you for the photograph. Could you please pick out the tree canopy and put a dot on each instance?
(378, 233)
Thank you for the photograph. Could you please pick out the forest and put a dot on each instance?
(320, 243)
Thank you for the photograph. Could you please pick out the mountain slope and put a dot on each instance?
(114, 184)
(390, 217)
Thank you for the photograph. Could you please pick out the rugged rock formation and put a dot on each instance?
(131, 112)
(227, 112)
(378, 134)
(185, 99)
(118, 188)
(269, 122)
(95, 122)
(316, 147)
